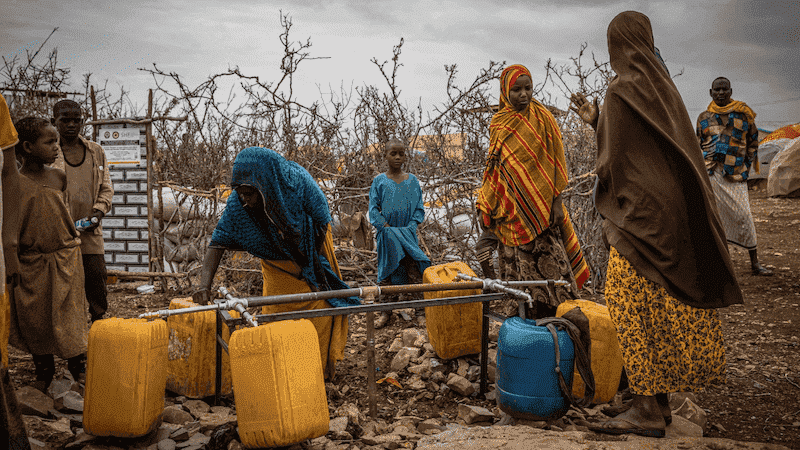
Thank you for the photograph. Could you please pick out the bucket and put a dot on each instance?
(605, 352)
(277, 384)
(126, 373)
(453, 330)
(527, 383)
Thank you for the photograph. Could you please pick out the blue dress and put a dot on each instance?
(399, 205)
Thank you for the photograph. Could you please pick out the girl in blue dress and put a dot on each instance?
(395, 210)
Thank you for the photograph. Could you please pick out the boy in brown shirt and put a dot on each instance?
(89, 190)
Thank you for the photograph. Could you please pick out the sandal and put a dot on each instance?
(614, 411)
(627, 428)
(761, 271)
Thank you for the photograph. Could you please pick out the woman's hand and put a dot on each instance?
(202, 296)
(557, 212)
(588, 112)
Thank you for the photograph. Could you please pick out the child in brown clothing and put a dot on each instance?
(48, 315)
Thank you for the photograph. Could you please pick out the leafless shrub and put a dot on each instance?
(340, 140)
(33, 87)
(580, 148)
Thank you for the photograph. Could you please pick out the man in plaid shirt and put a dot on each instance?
(729, 139)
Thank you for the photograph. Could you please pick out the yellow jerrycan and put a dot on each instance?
(605, 352)
(191, 361)
(126, 373)
(453, 330)
(277, 384)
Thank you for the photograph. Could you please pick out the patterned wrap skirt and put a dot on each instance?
(544, 258)
(667, 346)
(733, 203)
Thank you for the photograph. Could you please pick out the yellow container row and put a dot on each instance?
(275, 370)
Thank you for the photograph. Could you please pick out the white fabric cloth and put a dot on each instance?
(733, 203)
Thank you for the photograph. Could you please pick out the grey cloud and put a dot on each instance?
(761, 39)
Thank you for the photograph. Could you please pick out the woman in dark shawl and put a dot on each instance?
(669, 267)
(280, 215)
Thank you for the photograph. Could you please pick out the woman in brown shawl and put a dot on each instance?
(669, 266)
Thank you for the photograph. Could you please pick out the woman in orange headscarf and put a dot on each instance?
(520, 199)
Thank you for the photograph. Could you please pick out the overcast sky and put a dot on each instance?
(756, 44)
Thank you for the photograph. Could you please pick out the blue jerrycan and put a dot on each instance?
(527, 382)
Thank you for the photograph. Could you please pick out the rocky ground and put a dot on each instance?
(427, 403)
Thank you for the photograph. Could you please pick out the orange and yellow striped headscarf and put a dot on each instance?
(525, 171)
(525, 167)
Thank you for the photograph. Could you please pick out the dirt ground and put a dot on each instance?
(759, 403)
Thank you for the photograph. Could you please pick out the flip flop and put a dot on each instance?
(631, 428)
(614, 411)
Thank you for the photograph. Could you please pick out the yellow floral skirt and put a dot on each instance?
(667, 346)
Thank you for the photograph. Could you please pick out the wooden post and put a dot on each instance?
(149, 163)
(157, 240)
(154, 267)
(95, 128)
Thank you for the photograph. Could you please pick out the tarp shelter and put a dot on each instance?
(784, 172)
(773, 144)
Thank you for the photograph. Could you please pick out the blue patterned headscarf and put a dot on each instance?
(297, 217)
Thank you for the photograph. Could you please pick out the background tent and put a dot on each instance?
(784, 173)
(773, 144)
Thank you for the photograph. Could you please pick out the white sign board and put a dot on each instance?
(123, 146)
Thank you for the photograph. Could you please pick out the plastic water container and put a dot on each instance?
(191, 361)
(453, 330)
(126, 374)
(277, 384)
(527, 383)
(279, 282)
(605, 352)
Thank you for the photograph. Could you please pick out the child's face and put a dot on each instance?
(69, 123)
(45, 149)
(395, 156)
(520, 94)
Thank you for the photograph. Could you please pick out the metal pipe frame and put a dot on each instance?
(370, 308)
(364, 292)
(369, 293)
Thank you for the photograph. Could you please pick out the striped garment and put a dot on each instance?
(729, 139)
(526, 170)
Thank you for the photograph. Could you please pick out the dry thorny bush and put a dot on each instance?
(339, 139)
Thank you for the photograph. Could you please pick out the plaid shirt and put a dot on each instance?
(729, 142)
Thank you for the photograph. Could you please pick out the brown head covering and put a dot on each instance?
(653, 190)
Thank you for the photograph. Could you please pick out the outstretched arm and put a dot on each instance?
(211, 262)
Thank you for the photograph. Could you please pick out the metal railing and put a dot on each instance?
(370, 294)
